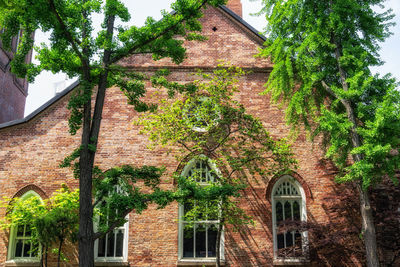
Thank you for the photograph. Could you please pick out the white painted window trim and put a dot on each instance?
(125, 227)
(13, 234)
(124, 257)
(303, 214)
(181, 222)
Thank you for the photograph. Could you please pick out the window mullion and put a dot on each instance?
(194, 240)
(115, 241)
(206, 226)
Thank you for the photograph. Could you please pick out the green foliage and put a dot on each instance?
(208, 125)
(209, 121)
(322, 53)
(52, 221)
(75, 46)
(77, 50)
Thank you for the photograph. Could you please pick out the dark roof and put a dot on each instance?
(75, 84)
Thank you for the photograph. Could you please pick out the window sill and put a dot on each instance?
(111, 263)
(22, 262)
(193, 262)
(291, 262)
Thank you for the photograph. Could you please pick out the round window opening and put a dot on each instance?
(201, 113)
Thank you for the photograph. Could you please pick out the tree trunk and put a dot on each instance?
(59, 252)
(45, 256)
(90, 134)
(86, 251)
(368, 227)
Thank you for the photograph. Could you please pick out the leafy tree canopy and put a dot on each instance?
(322, 53)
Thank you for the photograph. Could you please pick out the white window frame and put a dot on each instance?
(181, 227)
(303, 215)
(18, 39)
(124, 257)
(13, 236)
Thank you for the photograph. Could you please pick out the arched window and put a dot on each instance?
(113, 246)
(288, 204)
(197, 239)
(20, 246)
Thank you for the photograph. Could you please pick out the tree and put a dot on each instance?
(78, 51)
(322, 53)
(208, 125)
(52, 221)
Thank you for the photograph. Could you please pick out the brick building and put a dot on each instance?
(13, 90)
(32, 149)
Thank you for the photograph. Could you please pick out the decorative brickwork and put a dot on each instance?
(28, 188)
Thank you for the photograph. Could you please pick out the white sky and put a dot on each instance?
(44, 87)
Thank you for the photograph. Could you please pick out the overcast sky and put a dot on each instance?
(45, 84)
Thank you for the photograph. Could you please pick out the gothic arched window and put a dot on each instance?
(197, 239)
(288, 207)
(20, 246)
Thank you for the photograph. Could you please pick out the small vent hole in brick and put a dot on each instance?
(214, 29)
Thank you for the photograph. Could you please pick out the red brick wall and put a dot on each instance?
(13, 90)
(235, 6)
(30, 154)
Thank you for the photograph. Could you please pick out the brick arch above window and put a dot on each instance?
(298, 178)
(30, 187)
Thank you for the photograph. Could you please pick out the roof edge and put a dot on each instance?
(41, 108)
(243, 22)
(76, 83)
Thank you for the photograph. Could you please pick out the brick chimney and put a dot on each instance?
(235, 6)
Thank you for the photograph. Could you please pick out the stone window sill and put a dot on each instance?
(198, 262)
(27, 263)
(111, 263)
(291, 262)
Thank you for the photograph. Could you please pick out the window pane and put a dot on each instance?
(200, 241)
(18, 248)
(297, 238)
(188, 242)
(110, 245)
(279, 212)
(212, 240)
(101, 247)
(213, 211)
(288, 211)
(296, 211)
(27, 231)
(281, 242)
(188, 206)
(20, 230)
(120, 243)
(27, 248)
(289, 239)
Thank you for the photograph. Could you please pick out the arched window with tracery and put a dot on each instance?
(20, 247)
(197, 239)
(288, 206)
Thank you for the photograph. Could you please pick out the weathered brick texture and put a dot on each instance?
(30, 154)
